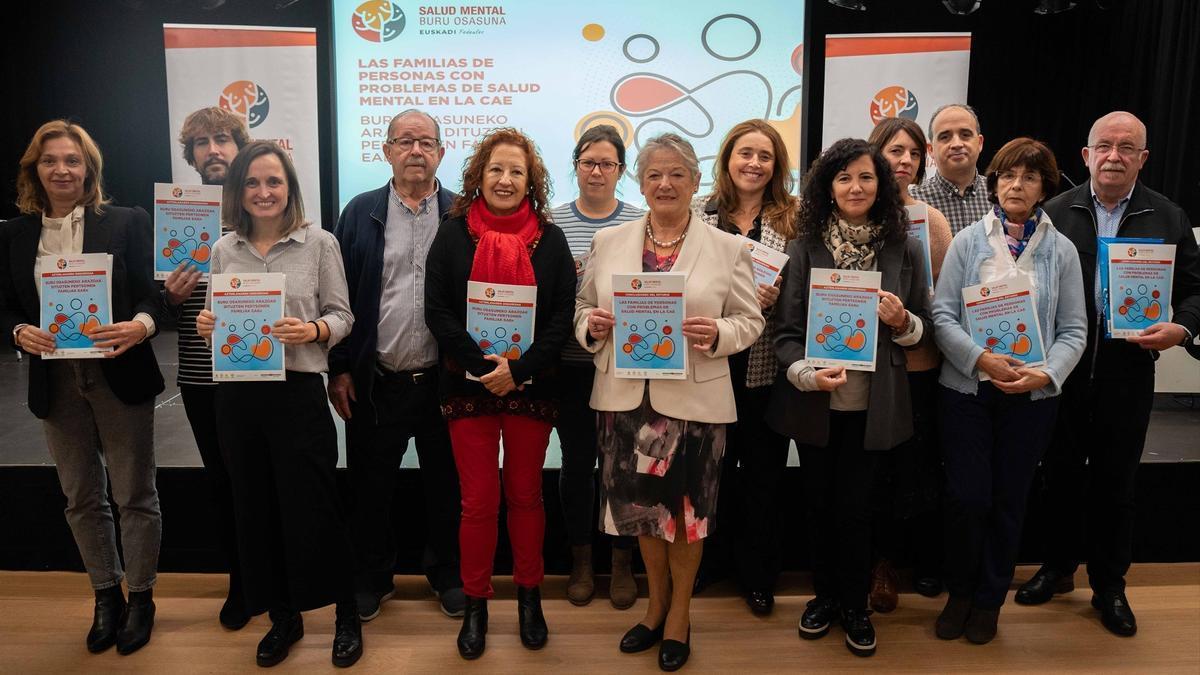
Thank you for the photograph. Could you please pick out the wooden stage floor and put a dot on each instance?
(45, 615)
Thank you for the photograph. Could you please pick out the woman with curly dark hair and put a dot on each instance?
(499, 232)
(852, 217)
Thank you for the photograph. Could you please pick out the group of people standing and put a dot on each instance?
(934, 451)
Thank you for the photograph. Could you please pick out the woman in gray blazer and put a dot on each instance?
(852, 218)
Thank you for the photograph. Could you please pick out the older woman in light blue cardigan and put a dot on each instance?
(994, 429)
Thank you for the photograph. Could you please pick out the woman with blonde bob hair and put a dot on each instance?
(751, 197)
(98, 414)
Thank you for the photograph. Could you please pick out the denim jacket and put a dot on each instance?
(1060, 307)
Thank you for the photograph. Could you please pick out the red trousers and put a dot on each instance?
(476, 442)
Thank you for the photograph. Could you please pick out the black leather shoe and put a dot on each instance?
(532, 623)
(471, 637)
(817, 617)
(1115, 613)
(860, 634)
(106, 621)
(640, 638)
(137, 623)
(953, 620)
(1043, 586)
(673, 654)
(286, 629)
(347, 638)
(930, 587)
(760, 602)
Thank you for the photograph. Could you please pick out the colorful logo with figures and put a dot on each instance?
(490, 292)
(647, 342)
(1132, 252)
(636, 284)
(186, 245)
(985, 291)
(835, 277)
(378, 20)
(894, 101)
(1141, 305)
(844, 335)
(497, 341)
(176, 192)
(1003, 340)
(235, 283)
(61, 264)
(247, 100)
(73, 321)
(249, 342)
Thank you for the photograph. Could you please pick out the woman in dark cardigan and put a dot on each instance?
(499, 232)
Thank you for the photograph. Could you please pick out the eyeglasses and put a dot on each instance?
(1124, 150)
(406, 143)
(588, 165)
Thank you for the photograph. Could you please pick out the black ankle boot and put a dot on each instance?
(347, 636)
(530, 619)
(472, 635)
(110, 607)
(137, 622)
(233, 614)
(287, 627)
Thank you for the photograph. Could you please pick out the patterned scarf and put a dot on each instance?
(853, 246)
(1016, 245)
(504, 243)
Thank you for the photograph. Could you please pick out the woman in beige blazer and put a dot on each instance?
(661, 441)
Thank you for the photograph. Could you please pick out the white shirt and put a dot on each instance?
(1001, 265)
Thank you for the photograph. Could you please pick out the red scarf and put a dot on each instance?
(502, 251)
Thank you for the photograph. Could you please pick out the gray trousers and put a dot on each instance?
(89, 427)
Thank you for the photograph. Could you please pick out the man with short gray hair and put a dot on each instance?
(383, 377)
(1106, 402)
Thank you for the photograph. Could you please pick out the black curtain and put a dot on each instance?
(102, 64)
(1051, 76)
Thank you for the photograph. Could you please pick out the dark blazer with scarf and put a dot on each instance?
(449, 266)
(360, 233)
(804, 415)
(126, 233)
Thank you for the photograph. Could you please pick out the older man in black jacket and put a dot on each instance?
(1106, 403)
(383, 378)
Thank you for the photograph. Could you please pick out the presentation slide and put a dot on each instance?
(555, 69)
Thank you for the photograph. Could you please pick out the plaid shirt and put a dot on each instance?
(960, 210)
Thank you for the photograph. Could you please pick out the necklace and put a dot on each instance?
(664, 244)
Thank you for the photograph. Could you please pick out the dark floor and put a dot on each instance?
(1174, 424)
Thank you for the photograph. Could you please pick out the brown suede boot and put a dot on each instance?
(884, 597)
(622, 590)
(581, 585)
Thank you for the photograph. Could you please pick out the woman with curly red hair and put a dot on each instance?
(500, 232)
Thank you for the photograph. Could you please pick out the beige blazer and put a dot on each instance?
(720, 285)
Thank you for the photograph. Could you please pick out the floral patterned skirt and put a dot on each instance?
(655, 470)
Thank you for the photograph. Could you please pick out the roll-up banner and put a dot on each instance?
(267, 75)
(871, 77)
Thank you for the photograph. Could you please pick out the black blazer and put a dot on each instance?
(447, 270)
(126, 234)
(804, 415)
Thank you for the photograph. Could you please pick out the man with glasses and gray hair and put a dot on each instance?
(383, 377)
(1106, 401)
